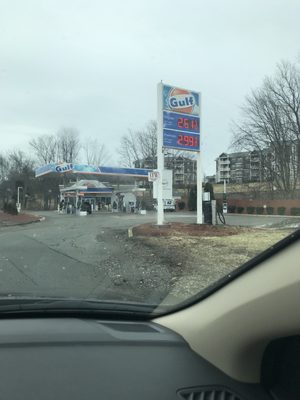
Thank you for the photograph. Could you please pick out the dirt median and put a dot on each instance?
(201, 256)
(20, 219)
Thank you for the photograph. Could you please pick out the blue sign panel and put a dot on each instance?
(85, 168)
(181, 140)
(90, 169)
(138, 172)
(181, 119)
(181, 122)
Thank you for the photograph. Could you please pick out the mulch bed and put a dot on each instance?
(21, 219)
(182, 229)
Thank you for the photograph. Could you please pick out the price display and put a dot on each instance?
(188, 140)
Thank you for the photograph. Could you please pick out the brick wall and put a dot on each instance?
(288, 204)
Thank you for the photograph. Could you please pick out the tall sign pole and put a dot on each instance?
(178, 123)
(199, 189)
(160, 155)
(199, 172)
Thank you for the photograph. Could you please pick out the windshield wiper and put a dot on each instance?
(38, 306)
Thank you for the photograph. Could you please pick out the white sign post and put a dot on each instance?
(199, 181)
(160, 155)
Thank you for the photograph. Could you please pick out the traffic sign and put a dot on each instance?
(153, 176)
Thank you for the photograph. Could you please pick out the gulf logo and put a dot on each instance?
(181, 100)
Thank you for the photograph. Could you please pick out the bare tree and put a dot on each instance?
(95, 153)
(45, 148)
(270, 124)
(3, 168)
(139, 148)
(19, 163)
(128, 149)
(20, 173)
(138, 145)
(68, 144)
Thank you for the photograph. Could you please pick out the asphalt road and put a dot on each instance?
(90, 257)
(86, 257)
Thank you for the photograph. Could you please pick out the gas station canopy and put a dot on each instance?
(87, 187)
(84, 169)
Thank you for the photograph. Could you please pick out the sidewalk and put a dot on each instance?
(21, 219)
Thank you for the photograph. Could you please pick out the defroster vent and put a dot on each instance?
(208, 393)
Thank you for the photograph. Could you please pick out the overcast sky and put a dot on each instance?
(94, 64)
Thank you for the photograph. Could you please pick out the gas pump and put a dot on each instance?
(208, 197)
(212, 212)
(224, 199)
(207, 209)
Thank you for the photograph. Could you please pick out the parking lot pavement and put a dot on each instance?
(125, 220)
(83, 257)
(92, 256)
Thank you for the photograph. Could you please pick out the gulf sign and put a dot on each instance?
(181, 118)
(181, 100)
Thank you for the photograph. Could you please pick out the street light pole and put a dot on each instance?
(18, 201)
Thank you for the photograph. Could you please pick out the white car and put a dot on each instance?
(169, 205)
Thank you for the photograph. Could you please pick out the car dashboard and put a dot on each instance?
(72, 358)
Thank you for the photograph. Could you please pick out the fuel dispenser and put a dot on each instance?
(211, 211)
(207, 208)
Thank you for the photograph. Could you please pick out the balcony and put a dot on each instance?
(225, 169)
(224, 164)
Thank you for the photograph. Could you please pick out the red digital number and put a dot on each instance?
(186, 123)
(194, 124)
(186, 140)
(180, 123)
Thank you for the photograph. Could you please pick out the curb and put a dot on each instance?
(130, 232)
(39, 219)
(261, 215)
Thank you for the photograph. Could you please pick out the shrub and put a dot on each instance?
(250, 210)
(295, 211)
(143, 204)
(259, 210)
(231, 209)
(181, 205)
(281, 210)
(240, 210)
(270, 210)
(11, 209)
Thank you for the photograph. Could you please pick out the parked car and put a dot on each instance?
(86, 206)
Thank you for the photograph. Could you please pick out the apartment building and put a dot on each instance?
(184, 168)
(240, 167)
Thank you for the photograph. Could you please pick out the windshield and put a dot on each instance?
(148, 150)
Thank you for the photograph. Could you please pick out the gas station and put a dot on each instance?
(178, 122)
(84, 192)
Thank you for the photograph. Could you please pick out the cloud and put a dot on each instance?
(95, 65)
